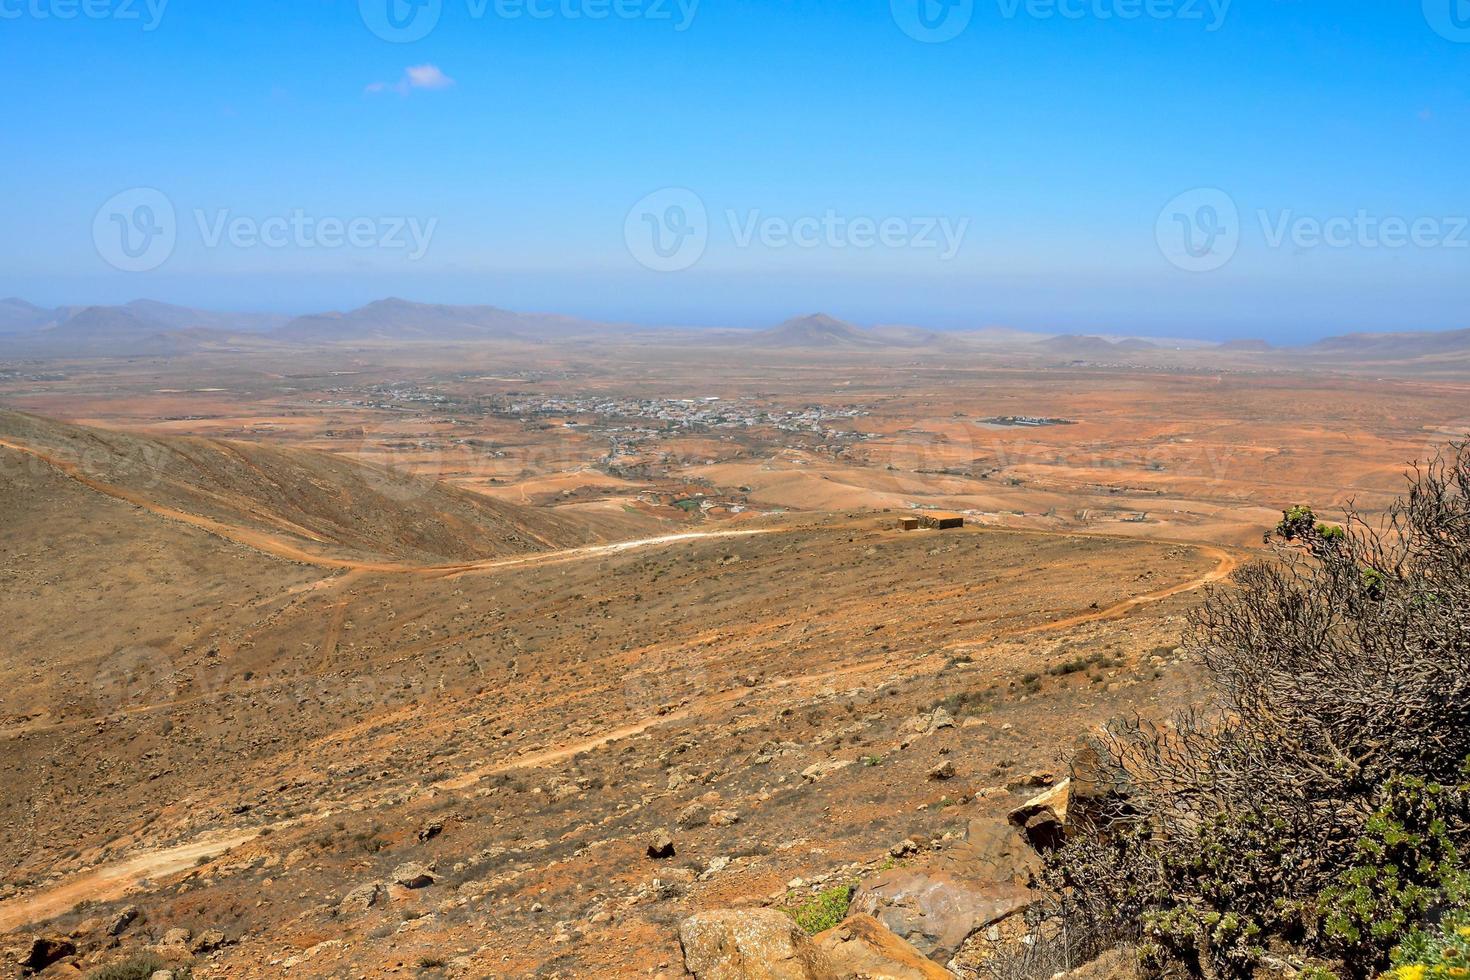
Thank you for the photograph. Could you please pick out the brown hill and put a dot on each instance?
(317, 503)
(820, 331)
(399, 319)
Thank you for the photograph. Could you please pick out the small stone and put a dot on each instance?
(693, 815)
(945, 770)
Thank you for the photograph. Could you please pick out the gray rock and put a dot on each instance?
(122, 920)
(413, 875)
(943, 771)
(177, 937)
(751, 944)
(861, 947)
(660, 845)
(936, 911)
(361, 898)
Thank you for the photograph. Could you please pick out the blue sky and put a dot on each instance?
(1067, 148)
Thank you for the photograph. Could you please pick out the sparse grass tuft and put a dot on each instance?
(823, 910)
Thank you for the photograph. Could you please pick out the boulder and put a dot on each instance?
(122, 920)
(1100, 790)
(1042, 820)
(993, 851)
(177, 937)
(945, 770)
(413, 875)
(361, 898)
(660, 845)
(929, 723)
(861, 947)
(207, 941)
(821, 770)
(936, 911)
(46, 950)
(751, 944)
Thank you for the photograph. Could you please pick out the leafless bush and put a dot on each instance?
(1338, 664)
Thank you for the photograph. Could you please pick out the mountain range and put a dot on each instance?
(151, 328)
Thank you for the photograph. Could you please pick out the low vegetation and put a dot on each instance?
(138, 968)
(1314, 818)
(823, 910)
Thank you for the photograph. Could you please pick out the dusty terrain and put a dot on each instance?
(273, 634)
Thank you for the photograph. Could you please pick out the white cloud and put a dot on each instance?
(428, 77)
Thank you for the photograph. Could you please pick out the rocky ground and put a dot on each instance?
(256, 763)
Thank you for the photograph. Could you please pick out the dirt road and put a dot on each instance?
(114, 880)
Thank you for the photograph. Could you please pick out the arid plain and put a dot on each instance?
(499, 612)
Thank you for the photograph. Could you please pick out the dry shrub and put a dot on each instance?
(1339, 674)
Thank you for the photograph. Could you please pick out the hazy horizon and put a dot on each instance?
(1180, 168)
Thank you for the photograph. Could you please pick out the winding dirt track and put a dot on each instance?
(278, 547)
(112, 881)
(115, 880)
